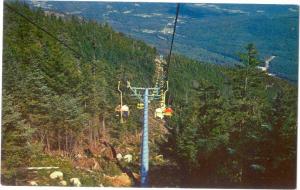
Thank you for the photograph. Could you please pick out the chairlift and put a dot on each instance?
(168, 112)
(122, 109)
(159, 113)
(140, 106)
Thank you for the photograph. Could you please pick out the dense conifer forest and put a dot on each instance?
(232, 126)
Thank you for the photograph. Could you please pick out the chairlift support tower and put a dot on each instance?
(145, 95)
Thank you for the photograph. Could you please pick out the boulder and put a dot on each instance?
(63, 183)
(128, 158)
(33, 183)
(56, 175)
(75, 182)
(119, 156)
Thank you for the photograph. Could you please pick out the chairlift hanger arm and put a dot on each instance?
(139, 91)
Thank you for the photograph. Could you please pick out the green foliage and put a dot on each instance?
(66, 167)
(17, 148)
(229, 135)
(234, 127)
(52, 98)
(250, 58)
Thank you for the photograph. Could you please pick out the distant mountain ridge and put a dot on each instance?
(207, 32)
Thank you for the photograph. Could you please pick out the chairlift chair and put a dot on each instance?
(168, 112)
(140, 106)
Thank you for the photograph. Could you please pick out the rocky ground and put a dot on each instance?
(103, 164)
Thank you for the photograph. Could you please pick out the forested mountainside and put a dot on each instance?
(232, 127)
(212, 33)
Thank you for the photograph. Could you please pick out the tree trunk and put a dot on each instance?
(94, 136)
(48, 143)
(42, 138)
(246, 83)
(58, 140)
(66, 146)
(90, 135)
(103, 123)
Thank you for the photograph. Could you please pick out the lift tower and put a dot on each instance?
(145, 95)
